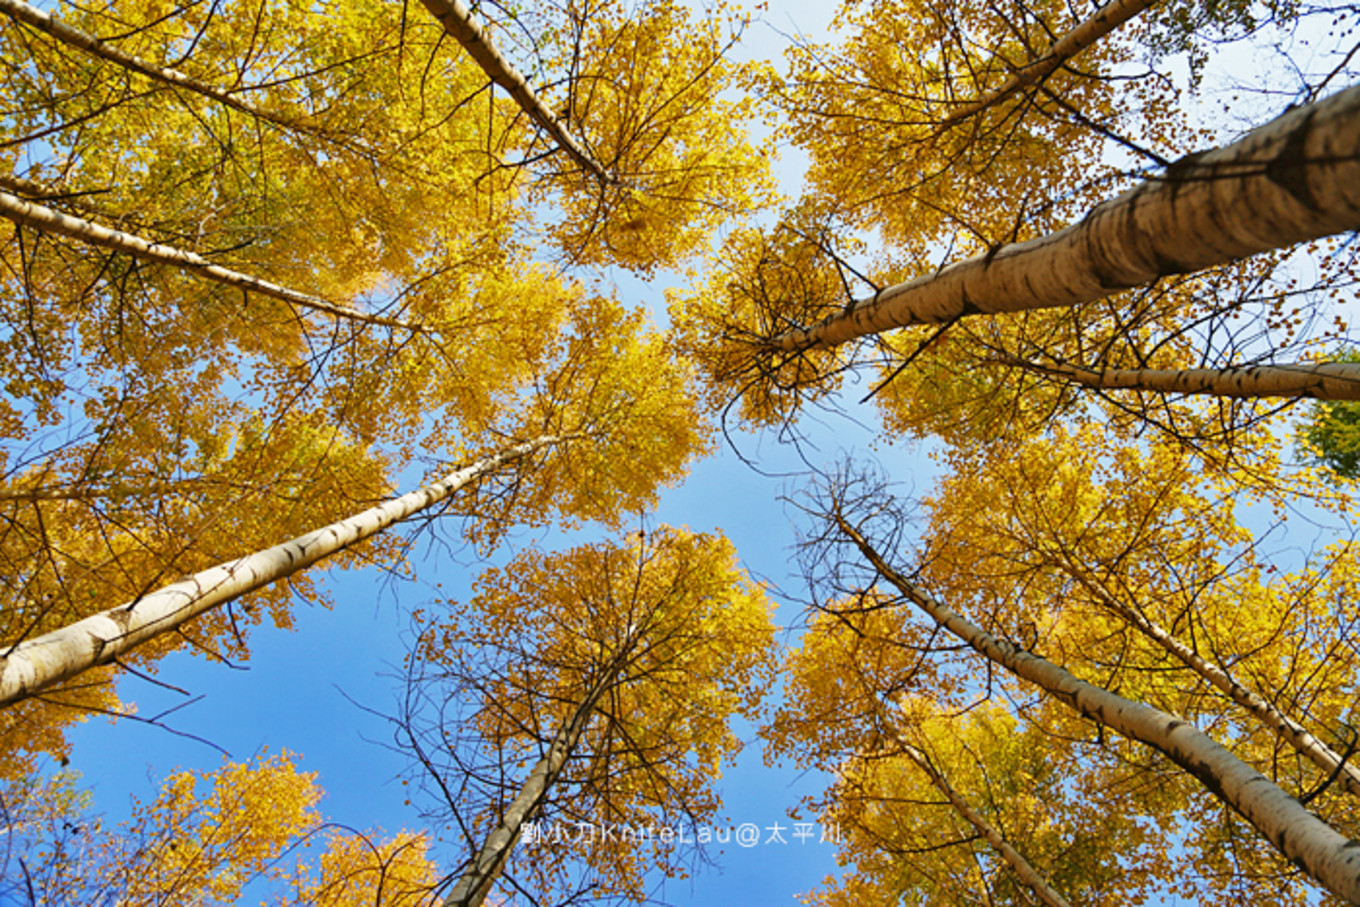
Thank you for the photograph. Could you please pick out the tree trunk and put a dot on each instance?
(1321, 381)
(1286, 728)
(476, 881)
(1302, 837)
(45, 220)
(458, 22)
(28, 667)
(1293, 179)
(1022, 867)
(73, 37)
(1105, 20)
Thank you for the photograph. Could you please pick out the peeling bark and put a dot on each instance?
(1294, 179)
(32, 666)
(46, 220)
(1304, 839)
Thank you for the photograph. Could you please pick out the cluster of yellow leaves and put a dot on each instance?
(867, 111)
(1059, 543)
(853, 657)
(910, 845)
(195, 846)
(648, 93)
(769, 281)
(681, 637)
(206, 837)
(622, 399)
(356, 871)
(337, 204)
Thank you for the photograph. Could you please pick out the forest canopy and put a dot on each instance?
(1006, 346)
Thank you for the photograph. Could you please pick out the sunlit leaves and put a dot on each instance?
(649, 93)
(682, 642)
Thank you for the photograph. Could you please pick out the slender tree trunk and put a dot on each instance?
(1105, 20)
(31, 666)
(73, 37)
(1321, 381)
(42, 192)
(1293, 179)
(458, 22)
(1286, 728)
(45, 220)
(1303, 838)
(490, 861)
(1027, 873)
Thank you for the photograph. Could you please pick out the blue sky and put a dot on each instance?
(303, 690)
(315, 691)
(320, 691)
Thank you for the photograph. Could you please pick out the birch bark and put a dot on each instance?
(1293, 179)
(1027, 873)
(1105, 20)
(1321, 381)
(490, 861)
(46, 220)
(1303, 838)
(458, 22)
(32, 666)
(1293, 733)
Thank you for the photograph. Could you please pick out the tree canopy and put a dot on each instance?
(429, 292)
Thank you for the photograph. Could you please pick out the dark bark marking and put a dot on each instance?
(1289, 169)
(1167, 265)
(1183, 170)
(123, 619)
(966, 304)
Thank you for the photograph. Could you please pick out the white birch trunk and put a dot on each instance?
(1294, 179)
(1293, 733)
(1105, 20)
(458, 22)
(46, 220)
(1303, 838)
(30, 189)
(1321, 381)
(31, 666)
(1027, 873)
(477, 880)
(74, 37)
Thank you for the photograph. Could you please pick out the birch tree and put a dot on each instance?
(1309, 842)
(1321, 381)
(603, 395)
(868, 686)
(1143, 540)
(924, 136)
(32, 666)
(612, 672)
(1027, 874)
(291, 155)
(459, 22)
(1286, 182)
(1197, 215)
